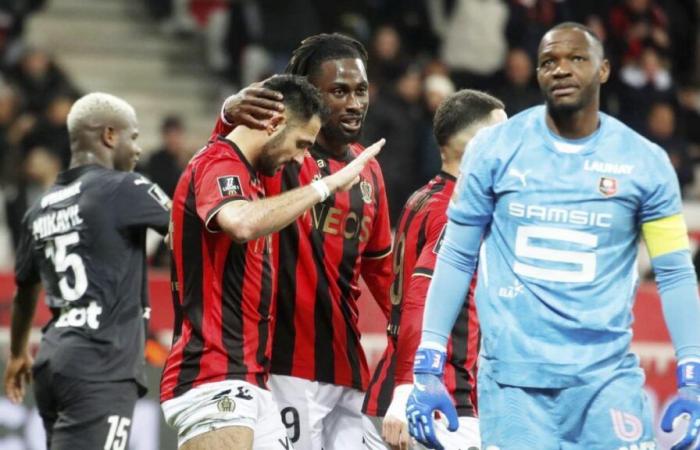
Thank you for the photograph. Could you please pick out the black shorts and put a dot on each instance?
(79, 414)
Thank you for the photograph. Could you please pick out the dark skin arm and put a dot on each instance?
(253, 107)
(18, 372)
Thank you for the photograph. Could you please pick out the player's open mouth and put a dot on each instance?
(351, 124)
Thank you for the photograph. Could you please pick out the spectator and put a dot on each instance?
(528, 20)
(689, 113)
(39, 79)
(164, 168)
(661, 129)
(167, 162)
(518, 91)
(635, 25)
(387, 56)
(50, 130)
(39, 170)
(473, 39)
(643, 82)
(396, 115)
(436, 88)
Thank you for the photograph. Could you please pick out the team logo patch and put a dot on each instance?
(607, 186)
(225, 404)
(366, 190)
(230, 185)
(321, 163)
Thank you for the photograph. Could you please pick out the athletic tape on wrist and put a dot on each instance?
(322, 189)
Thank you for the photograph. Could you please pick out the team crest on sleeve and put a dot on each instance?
(230, 185)
(607, 186)
(366, 190)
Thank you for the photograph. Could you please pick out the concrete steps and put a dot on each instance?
(112, 46)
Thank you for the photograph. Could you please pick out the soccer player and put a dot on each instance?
(319, 369)
(214, 383)
(83, 240)
(560, 194)
(418, 239)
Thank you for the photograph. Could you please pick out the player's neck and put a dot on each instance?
(574, 124)
(334, 149)
(85, 157)
(450, 167)
(249, 142)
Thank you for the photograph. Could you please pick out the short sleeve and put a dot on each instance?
(661, 195)
(473, 199)
(141, 203)
(217, 183)
(26, 266)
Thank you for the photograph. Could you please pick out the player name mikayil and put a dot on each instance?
(57, 222)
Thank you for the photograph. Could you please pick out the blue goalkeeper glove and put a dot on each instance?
(429, 394)
(686, 403)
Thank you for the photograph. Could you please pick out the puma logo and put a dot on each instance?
(519, 175)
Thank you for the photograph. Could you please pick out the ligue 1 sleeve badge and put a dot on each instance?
(607, 186)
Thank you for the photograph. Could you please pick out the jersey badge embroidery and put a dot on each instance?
(366, 190)
(607, 186)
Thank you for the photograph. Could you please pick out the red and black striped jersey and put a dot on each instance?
(319, 259)
(222, 290)
(418, 238)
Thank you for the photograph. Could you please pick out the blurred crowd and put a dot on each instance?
(423, 50)
(420, 52)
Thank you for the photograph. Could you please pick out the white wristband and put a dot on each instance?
(322, 189)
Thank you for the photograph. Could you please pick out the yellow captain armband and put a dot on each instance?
(665, 235)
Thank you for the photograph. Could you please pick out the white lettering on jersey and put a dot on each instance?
(560, 215)
(79, 317)
(511, 291)
(603, 167)
(60, 195)
(56, 222)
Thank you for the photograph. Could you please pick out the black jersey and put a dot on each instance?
(84, 239)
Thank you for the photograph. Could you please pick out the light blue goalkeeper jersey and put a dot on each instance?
(557, 266)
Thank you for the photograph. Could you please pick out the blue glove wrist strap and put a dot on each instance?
(688, 374)
(429, 361)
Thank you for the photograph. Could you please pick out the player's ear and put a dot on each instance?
(109, 137)
(604, 72)
(275, 122)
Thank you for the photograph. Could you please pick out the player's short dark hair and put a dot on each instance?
(315, 50)
(301, 98)
(461, 110)
(581, 27)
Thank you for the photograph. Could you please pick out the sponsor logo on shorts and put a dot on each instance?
(244, 393)
(628, 427)
(225, 404)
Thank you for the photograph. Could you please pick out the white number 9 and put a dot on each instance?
(585, 260)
